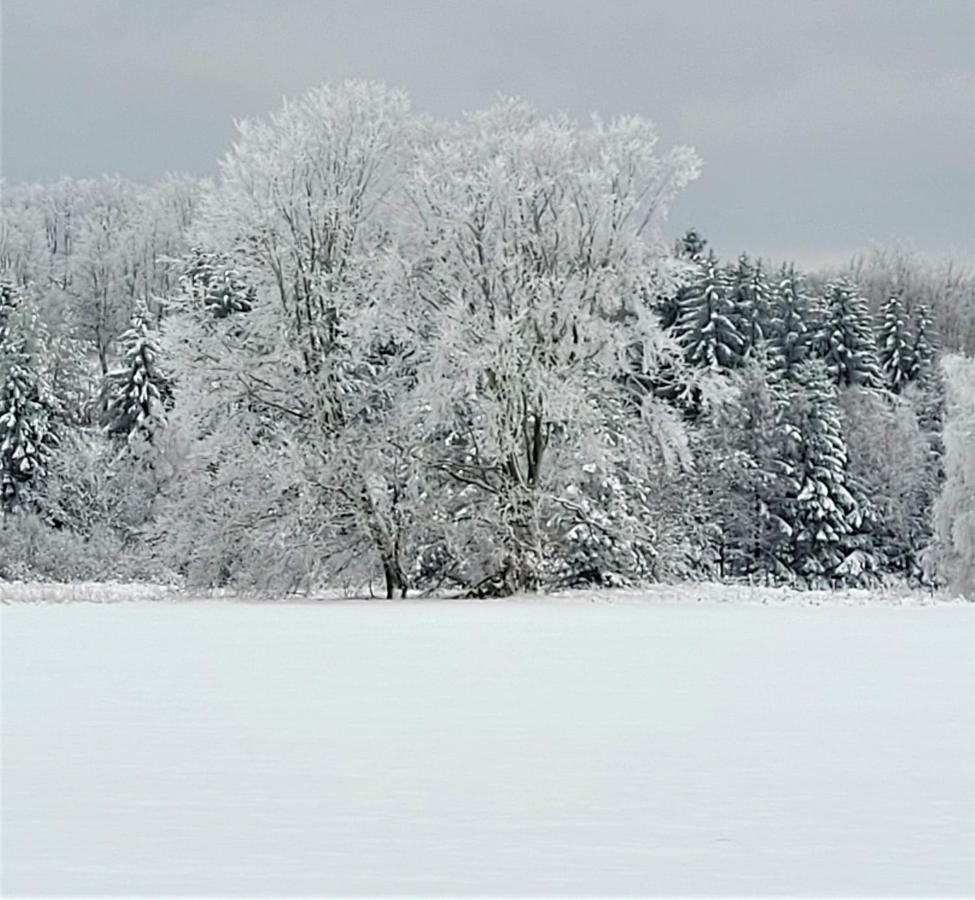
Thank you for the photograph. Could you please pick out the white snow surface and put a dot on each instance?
(628, 745)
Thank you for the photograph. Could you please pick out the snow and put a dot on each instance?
(627, 745)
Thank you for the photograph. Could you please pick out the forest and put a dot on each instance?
(467, 357)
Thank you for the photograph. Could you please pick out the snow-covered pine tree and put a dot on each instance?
(691, 246)
(894, 342)
(27, 409)
(705, 325)
(790, 323)
(924, 346)
(846, 341)
(211, 278)
(10, 296)
(136, 392)
(816, 504)
(750, 297)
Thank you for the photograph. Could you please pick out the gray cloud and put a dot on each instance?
(822, 124)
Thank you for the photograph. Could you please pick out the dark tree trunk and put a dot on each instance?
(395, 580)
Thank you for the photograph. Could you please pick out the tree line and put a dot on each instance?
(461, 356)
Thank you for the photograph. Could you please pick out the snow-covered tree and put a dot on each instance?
(10, 297)
(540, 262)
(211, 278)
(895, 350)
(27, 409)
(691, 245)
(924, 346)
(706, 324)
(790, 324)
(954, 513)
(846, 341)
(891, 462)
(137, 392)
(817, 504)
(750, 297)
(303, 214)
(739, 469)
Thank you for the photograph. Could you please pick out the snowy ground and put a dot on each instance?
(629, 745)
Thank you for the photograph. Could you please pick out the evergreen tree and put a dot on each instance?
(10, 296)
(846, 341)
(705, 325)
(691, 246)
(210, 278)
(750, 296)
(816, 504)
(136, 393)
(27, 410)
(895, 350)
(790, 324)
(924, 346)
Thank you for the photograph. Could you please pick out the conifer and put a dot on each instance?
(136, 392)
(846, 341)
(895, 349)
(705, 324)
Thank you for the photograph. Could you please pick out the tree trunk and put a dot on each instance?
(523, 556)
(394, 579)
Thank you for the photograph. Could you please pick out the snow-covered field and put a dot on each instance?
(627, 745)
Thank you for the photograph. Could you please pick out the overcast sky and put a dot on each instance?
(823, 125)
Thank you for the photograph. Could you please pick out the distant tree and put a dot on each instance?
(137, 392)
(10, 297)
(27, 409)
(845, 341)
(691, 246)
(924, 347)
(954, 512)
(896, 351)
(750, 297)
(945, 286)
(790, 325)
(705, 325)
(212, 278)
(738, 464)
(891, 462)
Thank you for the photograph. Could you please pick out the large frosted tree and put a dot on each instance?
(301, 365)
(540, 262)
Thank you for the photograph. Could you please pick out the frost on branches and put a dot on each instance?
(955, 508)
(540, 262)
(305, 367)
